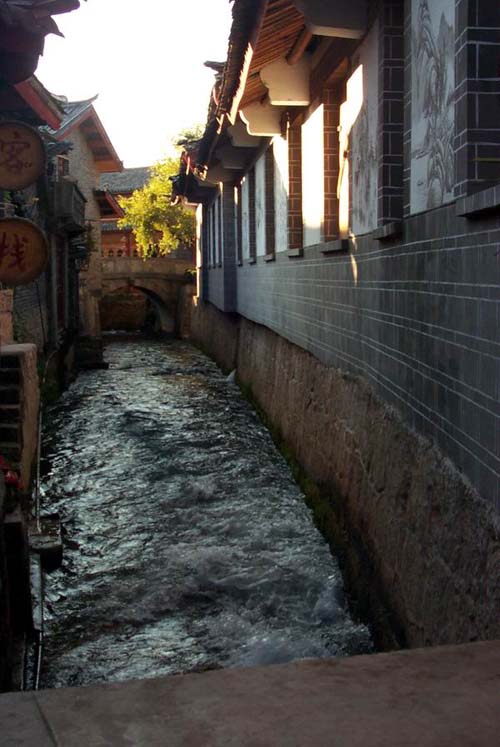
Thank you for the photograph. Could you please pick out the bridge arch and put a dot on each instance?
(159, 280)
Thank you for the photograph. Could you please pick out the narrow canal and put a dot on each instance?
(187, 543)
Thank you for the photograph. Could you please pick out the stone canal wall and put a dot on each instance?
(419, 544)
(5, 630)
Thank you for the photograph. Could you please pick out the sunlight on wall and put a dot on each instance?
(313, 176)
(245, 219)
(217, 236)
(260, 205)
(199, 256)
(237, 248)
(349, 111)
(280, 154)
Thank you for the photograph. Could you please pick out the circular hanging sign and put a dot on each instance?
(22, 155)
(23, 251)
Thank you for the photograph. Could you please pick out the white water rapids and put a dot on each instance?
(187, 544)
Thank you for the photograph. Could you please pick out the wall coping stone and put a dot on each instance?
(17, 349)
(388, 230)
(333, 247)
(485, 201)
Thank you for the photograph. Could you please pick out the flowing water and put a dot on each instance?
(187, 544)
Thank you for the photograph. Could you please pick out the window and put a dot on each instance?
(62, 166)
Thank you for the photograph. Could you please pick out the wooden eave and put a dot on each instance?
(108, 205)
(30, 102)
(282, 26)
(40, 101)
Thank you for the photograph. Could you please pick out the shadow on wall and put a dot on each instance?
(135, 309)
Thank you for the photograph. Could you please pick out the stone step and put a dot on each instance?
(10, 432)
(10, 395)
(11, 451)
(10, 361)
(10, 413)
(10, 377)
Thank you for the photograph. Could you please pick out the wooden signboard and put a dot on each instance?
(22, 155)
(23, 251)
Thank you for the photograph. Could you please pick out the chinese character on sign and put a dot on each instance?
(15, 153)
(14, 247)
(23, 251)
(22, 155)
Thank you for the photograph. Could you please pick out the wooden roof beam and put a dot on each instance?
(299, 46)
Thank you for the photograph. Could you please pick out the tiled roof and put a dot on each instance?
(82, 114)
(126, 181)
(72, 110)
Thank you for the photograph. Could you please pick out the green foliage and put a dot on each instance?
(189, 135)
(158, 226)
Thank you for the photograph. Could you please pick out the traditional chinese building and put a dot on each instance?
(120, 242)
(90, 155)
(130, 307)
(27, 210)
(348, 185)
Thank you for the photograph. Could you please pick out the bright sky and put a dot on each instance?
(145, 60)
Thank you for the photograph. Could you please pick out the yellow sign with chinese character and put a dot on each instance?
(22, 155)
(23, 251)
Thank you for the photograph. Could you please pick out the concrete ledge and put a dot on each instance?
(442, 697)
(485, 201)
(388, 231)
(334, 247)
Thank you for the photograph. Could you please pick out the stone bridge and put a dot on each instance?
(160, 279)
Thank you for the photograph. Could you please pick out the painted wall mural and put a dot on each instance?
(432, 103)
(363, 138)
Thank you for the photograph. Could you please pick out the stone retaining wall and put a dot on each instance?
(5, 631)
(416, 534)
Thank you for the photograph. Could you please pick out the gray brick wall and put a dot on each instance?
(421, 323)
(391, 108)
(477, 105)
(31, 312)
(222, 278)
(417, 315)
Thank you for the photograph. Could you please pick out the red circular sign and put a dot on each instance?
(22, 155)
(23, 251)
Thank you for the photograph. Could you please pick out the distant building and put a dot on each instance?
(91, 154)
(120, 242)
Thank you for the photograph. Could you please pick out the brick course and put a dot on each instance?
(391, 112)
(295, 185)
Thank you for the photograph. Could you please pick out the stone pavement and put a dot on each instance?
(445, 697)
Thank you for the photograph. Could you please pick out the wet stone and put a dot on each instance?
(187, 544)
